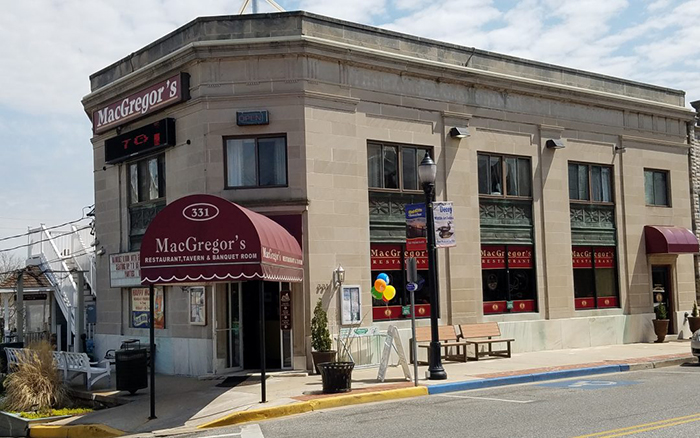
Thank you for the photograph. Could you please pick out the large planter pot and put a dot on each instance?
(661, 329)
(694, 323)
(322, 357)
(336, 376)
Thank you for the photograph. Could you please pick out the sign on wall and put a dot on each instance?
(198, 306)
(140, 308)
(148, 138)
(124, 269)
(285, 310)
(351, 312)
(443, 218)
(249, 118)
(147, 101)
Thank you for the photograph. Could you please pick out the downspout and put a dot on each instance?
(693, 163)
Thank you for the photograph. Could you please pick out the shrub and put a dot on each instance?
(661, 312)
(320, 336)
(36, 384)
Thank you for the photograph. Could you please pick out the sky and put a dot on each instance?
(50, 48)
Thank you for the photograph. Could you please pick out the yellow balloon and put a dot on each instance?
(380, 285)
(389, 293)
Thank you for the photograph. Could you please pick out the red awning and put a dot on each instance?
(661, 239)
(206, 238)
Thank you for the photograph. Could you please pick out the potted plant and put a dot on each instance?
(661, 322)
(694, 318)
(320, 337)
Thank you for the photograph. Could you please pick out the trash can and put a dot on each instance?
(131, 369)
(336, 376)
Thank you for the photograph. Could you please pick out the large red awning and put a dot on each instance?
(206, 238)
(661, 239)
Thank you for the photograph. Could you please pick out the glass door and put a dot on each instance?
(229, 348)
(662, 292)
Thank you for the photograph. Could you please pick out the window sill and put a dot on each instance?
(255, 187)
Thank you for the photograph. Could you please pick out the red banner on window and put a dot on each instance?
(381, 313)
(493, 257)
(584, 303)
(604, 302)
(387, 257)
(491, 307)
(605, 257)
(520, 257)
(581, 257)
(523, 306)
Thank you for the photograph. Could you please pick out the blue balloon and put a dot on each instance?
(384, 277)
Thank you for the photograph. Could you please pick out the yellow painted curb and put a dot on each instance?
(76, 431)
(314, 405)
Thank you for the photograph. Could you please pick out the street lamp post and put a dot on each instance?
(427, 171)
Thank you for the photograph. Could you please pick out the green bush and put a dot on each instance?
(661, 312)
(320, 336)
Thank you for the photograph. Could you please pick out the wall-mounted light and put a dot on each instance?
(620, 149)
(459, 132)
(339, 276)
(555, 143)
(101, 251)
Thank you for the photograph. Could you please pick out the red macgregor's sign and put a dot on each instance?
(387, 257)
(149, 100)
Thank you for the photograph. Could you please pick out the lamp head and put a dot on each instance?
(427, 170)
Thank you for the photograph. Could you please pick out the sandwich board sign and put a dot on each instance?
(393, 342)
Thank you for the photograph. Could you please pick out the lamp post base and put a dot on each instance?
(435, 369)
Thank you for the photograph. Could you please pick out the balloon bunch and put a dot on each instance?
(382, 290)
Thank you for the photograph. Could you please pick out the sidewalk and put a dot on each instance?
(183, 403)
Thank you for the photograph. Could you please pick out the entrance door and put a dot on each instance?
(662, 291)
(229, 346)
(278, 342)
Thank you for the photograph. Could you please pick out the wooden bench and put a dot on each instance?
(70, 364)
(484, 334)
(451, 348)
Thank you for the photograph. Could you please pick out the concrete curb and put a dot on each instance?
(76, 431)
(313, 405)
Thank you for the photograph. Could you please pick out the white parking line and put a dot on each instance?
(485, 398)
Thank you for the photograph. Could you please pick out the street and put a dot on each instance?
(661, 402)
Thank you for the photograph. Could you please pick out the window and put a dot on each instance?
(390, 258)
(508, 278)
(656, 187)
(256, 162)
(588, 182)
(147, 180)
(394, 167)
(595, 277)
(504, 176)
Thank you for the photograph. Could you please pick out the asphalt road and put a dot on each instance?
(662, 402)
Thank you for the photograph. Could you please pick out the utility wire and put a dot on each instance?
(49, 228)
(45, 240)
(77, 253)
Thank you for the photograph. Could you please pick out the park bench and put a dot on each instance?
(485, 333)
(70, 364)
(451, 347)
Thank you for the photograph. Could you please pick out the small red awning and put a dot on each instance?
(661, 239)
(202, 238)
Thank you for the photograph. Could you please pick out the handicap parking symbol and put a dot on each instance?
(588, 384)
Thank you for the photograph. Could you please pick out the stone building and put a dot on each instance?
(570, 189)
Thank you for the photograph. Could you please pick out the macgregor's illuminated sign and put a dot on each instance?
(149, 100)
